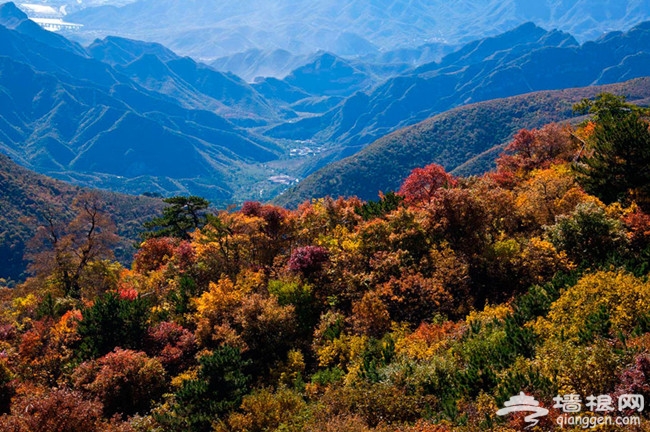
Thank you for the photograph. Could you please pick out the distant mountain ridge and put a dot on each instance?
(209, 29)
(522, 60)
(192, 84)
(76, 118)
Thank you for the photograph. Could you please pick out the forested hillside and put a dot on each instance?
(467, 138)
(424, 311)
(28, 199)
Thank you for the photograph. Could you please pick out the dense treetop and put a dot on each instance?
(424, 310)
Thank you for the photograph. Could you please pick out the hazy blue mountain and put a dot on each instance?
(324, 82)
(280, 91)
(218, 28)
(79, 119)
(119, 51)
(522, 60)
(329, 75)
(253, 63)
(465, 140)
(192, 84)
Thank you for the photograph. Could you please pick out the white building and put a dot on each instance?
(48, 17)
(56, 24)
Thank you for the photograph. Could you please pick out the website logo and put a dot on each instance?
(571, 406)
(524, 403)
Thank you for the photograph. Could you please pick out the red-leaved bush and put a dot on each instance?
(173, 345)
(124, 381)
(57, 410)
(308, 259)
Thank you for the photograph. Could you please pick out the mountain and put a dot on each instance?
(74, 117)
(14, 19)
(25, 196)
(329, 75)
(253, 63)
(209, 29)
(473, 133)
(192, 84)
(324, 81)
(522, 60)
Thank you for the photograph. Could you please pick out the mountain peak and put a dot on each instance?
(328, 74)
(15, 19)
(122, 51)
(10, 16)
(526, 32)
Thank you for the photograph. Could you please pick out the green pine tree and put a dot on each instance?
(179, 219)
(112, 322)
(616, 165)
(218, 388)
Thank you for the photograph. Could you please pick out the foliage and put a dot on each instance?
(112, 322)
(535, 149)
(617, 297)
(422, 184)
(71, 248)
(265, 410)
(124, 381)
(173, 345)
(588, 235)
(308, 260)
(179, 218)
(233, 314)
(615, 166)
(386, 204)
(422, 313)
(59, 410)
(218, 388)
(46, 348)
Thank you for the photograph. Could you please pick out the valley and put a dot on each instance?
(135, 117)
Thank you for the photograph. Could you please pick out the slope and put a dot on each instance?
(523, 60)
(79, 119)
(25, 196)
(449, 139)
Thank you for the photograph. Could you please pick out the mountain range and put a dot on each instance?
(135, 117)
(140, 126)
(209, 29)
(522, 60)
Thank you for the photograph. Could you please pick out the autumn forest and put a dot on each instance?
(423, 311)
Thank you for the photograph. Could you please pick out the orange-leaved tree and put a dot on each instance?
(421, 185)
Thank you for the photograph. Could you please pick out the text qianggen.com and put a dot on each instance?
(587, 422)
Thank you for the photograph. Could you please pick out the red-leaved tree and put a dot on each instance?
(421, 185)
